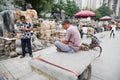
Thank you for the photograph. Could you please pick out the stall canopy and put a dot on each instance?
(105, 18)
(84, 14)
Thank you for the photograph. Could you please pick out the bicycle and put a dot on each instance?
(95, 44)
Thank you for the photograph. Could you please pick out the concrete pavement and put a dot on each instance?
(105, 67)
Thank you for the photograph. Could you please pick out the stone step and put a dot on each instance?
(34, 76)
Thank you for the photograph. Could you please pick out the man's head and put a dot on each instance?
(23, 19)
(113, 22)
(66, 24)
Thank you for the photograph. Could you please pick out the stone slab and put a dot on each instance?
(76, 62)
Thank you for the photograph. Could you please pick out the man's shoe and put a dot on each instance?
(31, 55)
(58, 50)
(22, 56)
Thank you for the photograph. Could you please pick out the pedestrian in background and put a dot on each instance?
(113, 29)
(72, 40)
(25, 28)
(84, 30)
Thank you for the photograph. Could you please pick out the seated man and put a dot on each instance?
(71, 43)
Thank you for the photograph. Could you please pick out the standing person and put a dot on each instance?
(80, 30)
(25, 28)
(84, 30)
(113, 29)
(71, 43)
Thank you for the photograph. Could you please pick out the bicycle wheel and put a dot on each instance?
(86, 75)
(98, 48)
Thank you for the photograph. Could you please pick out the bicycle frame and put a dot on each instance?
(94, 42)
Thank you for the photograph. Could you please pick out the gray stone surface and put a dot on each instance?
(18, 69)
(34, 76)
(105, 67)
(75, 63)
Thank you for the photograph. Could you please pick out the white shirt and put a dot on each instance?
(85, 29)
(113, 27)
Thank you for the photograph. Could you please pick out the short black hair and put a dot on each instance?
(22, 17)
(66, 22)
(113, 22)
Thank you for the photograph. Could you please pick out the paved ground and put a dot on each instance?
(107, 66)
(104, 68)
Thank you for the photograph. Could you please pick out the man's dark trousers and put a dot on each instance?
(26, 43)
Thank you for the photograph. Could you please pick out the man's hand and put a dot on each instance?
(23, 29)
(29, 29)
(64, 41)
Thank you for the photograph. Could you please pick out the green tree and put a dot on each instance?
(60, 5)
(2, 3)
(39, 5)
(98, 15)
(103, 11)
(71, 8)
(20, 4)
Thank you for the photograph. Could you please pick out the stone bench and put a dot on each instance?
(62, 66)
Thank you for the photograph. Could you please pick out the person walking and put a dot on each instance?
(72, 40)
(84, 30)
(25, 28)
(113, 29)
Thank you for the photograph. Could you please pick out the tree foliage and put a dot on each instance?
(98, 15)
(41, 5)
(71, 8)
(103, 11)
(59, 5)
(38, 5)
(2, 3)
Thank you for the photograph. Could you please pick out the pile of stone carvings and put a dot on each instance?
(7, 47)
(50, 32)
(47, 29)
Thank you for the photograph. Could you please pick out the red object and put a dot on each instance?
(108, 27)
(85, 14)
(46, 61)
(105, 18)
